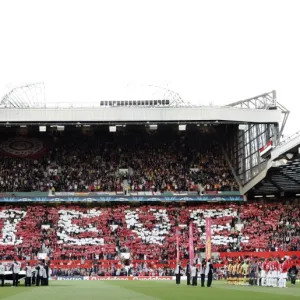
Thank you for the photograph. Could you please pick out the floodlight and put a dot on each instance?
(60, 128)
(153, 127)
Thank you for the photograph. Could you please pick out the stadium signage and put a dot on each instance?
(104, 278)
(152, 278)
(68, 278)
(122, 199)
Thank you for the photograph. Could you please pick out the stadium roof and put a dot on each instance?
(27, 96)
(284, 173)
(27, 104)
(34, 96)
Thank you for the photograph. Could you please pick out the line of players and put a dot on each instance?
(265, 272)
(34, 275)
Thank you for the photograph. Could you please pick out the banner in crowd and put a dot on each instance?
(208, 238)
(191, 244)
(177, 245)
(104, 278)
(22, 147)
(210, 198)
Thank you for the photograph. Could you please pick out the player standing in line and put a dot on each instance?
(234, 273)
(252, 272)
(293, 271)
(283, 270)
(258, 273)
(229, 273)
(240, 273)
(245, 272)
(275, 272)
(264, 273)
(269, 271)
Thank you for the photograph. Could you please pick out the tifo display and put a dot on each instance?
(146, 231)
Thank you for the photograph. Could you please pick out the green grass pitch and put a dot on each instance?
(144, 290)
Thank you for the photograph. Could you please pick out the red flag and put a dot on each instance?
(191, 245)
(177, 244)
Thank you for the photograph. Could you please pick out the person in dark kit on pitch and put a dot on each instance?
(209, 272)
(44, 273)
(202, 272)
(178, 271)
(15, 268)
(28, 277)
(33, 270)
(293, 271)
(194, 274)
(2, 272)
(188, 273)
(46, 279)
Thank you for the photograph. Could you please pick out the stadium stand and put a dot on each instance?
(92, 238)
(150, 162)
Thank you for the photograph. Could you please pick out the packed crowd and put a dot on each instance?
(146, 232)
(271, 227)
(121, 162)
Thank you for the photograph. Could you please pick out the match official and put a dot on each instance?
(202, 272)
(28, 277)
(178, 272)
(194, 273)
(15, 268)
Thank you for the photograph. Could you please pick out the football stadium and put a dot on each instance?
(147, 199)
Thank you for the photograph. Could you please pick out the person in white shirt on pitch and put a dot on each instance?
(202, 272)
(15, 267)
(194, 274)
(28, 277)
(44, 275)
(178, 272)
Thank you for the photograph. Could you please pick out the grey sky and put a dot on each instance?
(207, 51)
